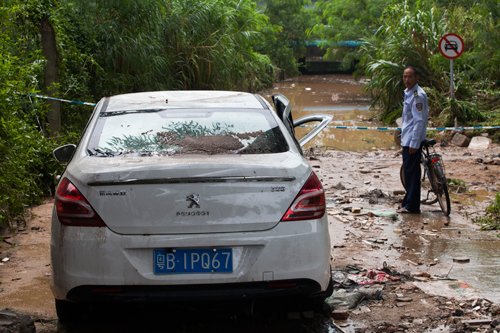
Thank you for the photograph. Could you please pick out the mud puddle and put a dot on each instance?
(458, 253)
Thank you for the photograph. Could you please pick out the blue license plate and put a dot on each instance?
(180, 261)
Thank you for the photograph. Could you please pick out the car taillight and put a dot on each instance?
(73, 209)
(309, 204)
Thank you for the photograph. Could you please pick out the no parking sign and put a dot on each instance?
(451, 47)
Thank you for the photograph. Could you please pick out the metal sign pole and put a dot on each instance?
(452, 86)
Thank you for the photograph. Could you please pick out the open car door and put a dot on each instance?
(284, 110)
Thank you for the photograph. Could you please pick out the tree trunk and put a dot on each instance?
(49, 49)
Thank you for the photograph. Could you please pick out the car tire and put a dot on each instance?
(68, 311)
(317, 302)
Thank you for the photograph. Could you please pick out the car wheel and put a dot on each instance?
(68, 311)
(317, 302)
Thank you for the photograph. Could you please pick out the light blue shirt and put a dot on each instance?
(415, 115)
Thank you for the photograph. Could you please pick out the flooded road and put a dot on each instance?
(342, 97)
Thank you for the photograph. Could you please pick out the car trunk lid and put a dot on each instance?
(195, 194)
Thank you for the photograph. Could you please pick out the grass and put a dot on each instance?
(491, 221)
(457, 185)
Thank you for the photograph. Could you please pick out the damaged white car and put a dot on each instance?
(189, 194)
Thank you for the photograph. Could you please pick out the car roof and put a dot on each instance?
(185, 99)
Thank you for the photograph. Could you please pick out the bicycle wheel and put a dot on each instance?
(402, 177)
(440, 188)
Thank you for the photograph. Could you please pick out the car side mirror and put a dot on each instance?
(64, 153)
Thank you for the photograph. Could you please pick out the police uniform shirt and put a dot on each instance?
(415, 114)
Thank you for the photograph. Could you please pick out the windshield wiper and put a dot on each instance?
(99, 152)
(117, 113)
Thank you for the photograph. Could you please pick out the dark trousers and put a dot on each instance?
(412, 174)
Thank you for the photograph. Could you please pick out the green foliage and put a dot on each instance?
(284, 39)
(406, 37)
(120, 45)
(211, 45)
(491, 221)
(24, 152)
(457, 185)
(410, 35)
(108, 48)
(462, 111)
(346, 20)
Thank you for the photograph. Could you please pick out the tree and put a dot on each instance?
(23, 148)
(347, 20)
(410, 35)
(286, 36)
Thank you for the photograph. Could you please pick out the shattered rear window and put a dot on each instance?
(169, 132)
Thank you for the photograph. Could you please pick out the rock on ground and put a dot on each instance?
(14, 322)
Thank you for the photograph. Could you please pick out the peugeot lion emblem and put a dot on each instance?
(194, 200)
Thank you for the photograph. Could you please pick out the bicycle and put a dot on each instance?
(433, 166)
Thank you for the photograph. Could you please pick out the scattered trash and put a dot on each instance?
(421, 276)
(339, 186)
(6, 240)
(384, 213)
(413, 263)
(476, 322)
(461, 260)
(404, 299)
(11, 321)
(340, 314)
(342, 298)
(5, 259)
(371, 277)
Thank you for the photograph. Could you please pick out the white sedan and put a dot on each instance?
(189, 194)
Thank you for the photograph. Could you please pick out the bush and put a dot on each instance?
(25, 161)
(491, 221)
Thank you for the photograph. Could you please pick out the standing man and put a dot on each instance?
(415, 114)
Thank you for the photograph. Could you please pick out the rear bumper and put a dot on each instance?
(230, 291)
(88, 261)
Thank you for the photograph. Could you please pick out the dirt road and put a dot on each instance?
(422, 245)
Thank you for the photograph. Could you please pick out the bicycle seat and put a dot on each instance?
(428, 143)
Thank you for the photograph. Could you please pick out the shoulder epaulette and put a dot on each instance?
(415, 93)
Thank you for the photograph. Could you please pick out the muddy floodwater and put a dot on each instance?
(340, 96)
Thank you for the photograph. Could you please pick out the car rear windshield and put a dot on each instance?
(169, 132)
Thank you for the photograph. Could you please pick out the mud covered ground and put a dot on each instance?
(427, 288)
(423, 290)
